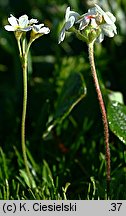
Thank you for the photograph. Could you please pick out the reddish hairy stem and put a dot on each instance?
(103, 112)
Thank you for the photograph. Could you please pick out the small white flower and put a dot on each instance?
(108, 28)
(21, 24)
(40, 29)
(87, 18)
(70, 18)
(107, 19)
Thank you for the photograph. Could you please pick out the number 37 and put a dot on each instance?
(116, 206)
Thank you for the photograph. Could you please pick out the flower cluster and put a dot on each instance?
(93, 25)
(23, 24)
(20, 27)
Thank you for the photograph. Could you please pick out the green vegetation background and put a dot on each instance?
(73, 152)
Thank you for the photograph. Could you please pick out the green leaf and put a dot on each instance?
(117, 119)
(73, 91)
(24, 178)
(46, 173)
(4, 168)
(115, 96)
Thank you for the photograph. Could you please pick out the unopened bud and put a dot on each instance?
(91, 33)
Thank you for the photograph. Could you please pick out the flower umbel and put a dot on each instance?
(21, 24)
(93, 25)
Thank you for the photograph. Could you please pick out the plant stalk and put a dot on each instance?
(23, 121)
(103, 112)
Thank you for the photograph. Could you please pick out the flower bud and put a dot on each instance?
(91, 33)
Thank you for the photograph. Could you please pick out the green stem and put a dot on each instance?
(24, 67)
(28, 47)
(19, 47)
(103, 112)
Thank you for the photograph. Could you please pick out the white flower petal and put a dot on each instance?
(111, 16)
(113, 19)
(67, 13)
(76, 15)
(100, 10)
(25, 29)
(92, 11)
(93, 23)
(33, 21)
(107, 19)
(61, 36)
(107, 30)
(70, 13)
(115, 29)
(23, 21)
(83, 17)
(9, 28)
(37, 28)
(100, 38)
(13, 21)
(70, 22)
(44, 30)
(83, 23)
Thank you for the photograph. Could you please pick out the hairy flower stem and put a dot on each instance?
(103, 112)
(24, 67)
